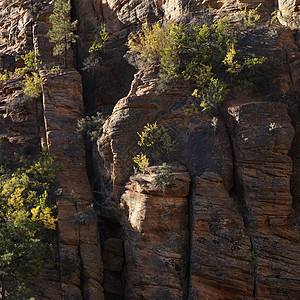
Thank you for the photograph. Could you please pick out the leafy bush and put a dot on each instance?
(25, 213)
(142, 161)
(93, 60)
(91, 126)
(201, 55)
(32, 86)
(212, 95)
(250, 16)
(31, 63)
(32, 82)
(153, 42)
(155, 143)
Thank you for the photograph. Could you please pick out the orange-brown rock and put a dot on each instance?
(194, 136)
(263, 170)
(155, 223)
(261, 135)
(78, 241)
(220, 253)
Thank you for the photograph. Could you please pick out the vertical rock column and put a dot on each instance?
(155, 224)
(79, 246)
(220, 248)
(261, 135)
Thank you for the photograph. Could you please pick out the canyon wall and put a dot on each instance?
(226, 226)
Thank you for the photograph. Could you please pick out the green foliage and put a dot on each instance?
(4, 76)
(151, 43)
(25, 213)
(91, 126)
(142, 162)
(62, 32)
(32, 86)
(250, 16)
(201, 55)
(56, 70)
(31, 63)
(212, 94)
(155, 143)
(93, 60)
(100, 40)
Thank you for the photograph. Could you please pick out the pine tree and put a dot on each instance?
(62, 32)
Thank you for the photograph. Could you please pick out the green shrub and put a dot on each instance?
(91, 126)
(212, 95)
(32, 86)
(250, 16)
(142, 162)
(25, 214)
(156, 145)
(201, 55)
(31, 63)
(93, 60)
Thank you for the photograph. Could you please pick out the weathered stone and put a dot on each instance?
(263, 169)
(220, 246)
(156, 242)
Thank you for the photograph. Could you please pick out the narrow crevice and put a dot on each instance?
(190, 229)
(81, 263)
(237, 193)
(253, 267)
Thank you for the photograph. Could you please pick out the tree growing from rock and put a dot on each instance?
(63, 30)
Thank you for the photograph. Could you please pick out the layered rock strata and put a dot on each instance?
(220, 254)
(263, 170)
(155, 223)
(24, 26)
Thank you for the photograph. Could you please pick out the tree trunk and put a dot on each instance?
(66, 62)
(2, 290)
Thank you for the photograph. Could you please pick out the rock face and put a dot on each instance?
(78, 241)
(220, 266)
(155, 222)
(193, 136)
(263, 170)
(226, 226)
(52, 121)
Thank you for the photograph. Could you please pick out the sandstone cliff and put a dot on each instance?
(227, 224)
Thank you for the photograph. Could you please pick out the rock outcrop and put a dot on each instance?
(263, 171)
(155, 223)
(51, 121)
(226, 226)
(220, 254)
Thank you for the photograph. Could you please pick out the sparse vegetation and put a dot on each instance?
(93, 60)
(32, 86)
(163, 179)
(250, 16)
(205, 56)
(156, 145)
(91, 126)
(63, 30)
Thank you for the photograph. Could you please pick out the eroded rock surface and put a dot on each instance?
(220, 253)
(263, 170)
(155, 223)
